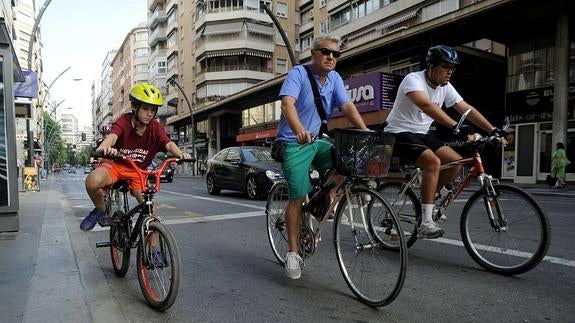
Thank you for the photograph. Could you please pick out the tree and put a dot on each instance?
(54, 147)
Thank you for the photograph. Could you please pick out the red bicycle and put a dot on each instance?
(157, 257)
(502, 227)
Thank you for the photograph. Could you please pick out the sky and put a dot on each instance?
(78, 34)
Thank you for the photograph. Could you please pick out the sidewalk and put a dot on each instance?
(49, 272)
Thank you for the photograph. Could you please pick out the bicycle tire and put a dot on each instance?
(119, 250)
(373, 273)
(515, 250)
(407, 207)
(158, 266)
(275, 218)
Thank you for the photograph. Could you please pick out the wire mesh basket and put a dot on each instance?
(361, 153)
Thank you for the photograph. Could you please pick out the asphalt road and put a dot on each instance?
(230, 274)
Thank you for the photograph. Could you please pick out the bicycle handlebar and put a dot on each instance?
(99, 154)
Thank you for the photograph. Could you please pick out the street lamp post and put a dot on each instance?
(30, 46)
(174, 82)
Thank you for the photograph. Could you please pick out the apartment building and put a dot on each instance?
(384, 40)
(103, 101)
(157, 39)
(215, 50)
(129, 66)
(70, 134)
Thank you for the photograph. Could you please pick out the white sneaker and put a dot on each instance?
(293, 265)
(442, 218)
(429, 230)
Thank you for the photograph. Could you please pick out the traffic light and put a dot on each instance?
(83, 136)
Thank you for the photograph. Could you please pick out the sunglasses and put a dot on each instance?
(448, 67)
(327, 52)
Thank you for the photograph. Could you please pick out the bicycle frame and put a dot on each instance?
(485, 182)
(145, 208)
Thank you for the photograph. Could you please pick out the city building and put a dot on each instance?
(129, 66)
(527, 75)
(103, 96)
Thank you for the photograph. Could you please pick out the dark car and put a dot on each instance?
(248, 169)
(167, 174)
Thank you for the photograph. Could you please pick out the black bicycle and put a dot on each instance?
(157, 258)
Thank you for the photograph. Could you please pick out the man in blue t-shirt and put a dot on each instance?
(300, 123)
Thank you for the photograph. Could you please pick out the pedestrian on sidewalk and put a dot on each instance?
(558, 163)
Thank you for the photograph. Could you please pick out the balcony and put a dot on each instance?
(223, 14)
(154, 3)
(170, 4)
(240, 71)
(157, 17)
(230, 42)
(158, 35)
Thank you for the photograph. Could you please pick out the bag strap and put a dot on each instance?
(316, 99)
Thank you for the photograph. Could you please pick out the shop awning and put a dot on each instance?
(258, 54)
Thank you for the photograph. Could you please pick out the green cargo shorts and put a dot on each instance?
(297, 163)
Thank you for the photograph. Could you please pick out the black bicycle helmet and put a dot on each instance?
(442, 53)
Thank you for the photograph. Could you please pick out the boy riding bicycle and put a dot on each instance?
(136, 135)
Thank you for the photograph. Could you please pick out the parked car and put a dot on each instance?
(249, 169)
(168, 173)
(87, 169)
(71, 170)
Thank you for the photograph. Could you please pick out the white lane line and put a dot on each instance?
(216, 200)
(554, 260)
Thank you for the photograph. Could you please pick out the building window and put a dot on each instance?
(279, 39)
(281, 65)
(305, 42)
(281, 10)
(141, 68)
(324, 27)
(141, 52)
(530, 64)
(306, 16)
(142, 36)
(322, 3)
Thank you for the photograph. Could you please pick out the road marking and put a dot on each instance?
(217, 200)
(555, 260)
(195, 218)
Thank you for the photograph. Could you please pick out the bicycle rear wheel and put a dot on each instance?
(119, 250)
(373, 273)
(407, 207)
(158, 262)
(519, 245)
(275, 218)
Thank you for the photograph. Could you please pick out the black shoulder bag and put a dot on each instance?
(317, 101)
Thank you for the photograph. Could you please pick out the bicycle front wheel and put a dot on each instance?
(275, 218)
(158, 262)
(119, 250)
(408, 209)
(521, 242)
(373, 273)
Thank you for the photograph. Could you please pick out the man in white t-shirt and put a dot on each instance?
(418, 103)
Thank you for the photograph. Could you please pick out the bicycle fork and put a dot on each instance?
(490, 199)
(362, 201)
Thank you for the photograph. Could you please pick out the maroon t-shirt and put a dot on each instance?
(142, 149)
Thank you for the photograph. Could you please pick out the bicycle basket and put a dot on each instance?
(361, 153)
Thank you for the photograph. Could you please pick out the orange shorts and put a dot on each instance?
(120, 171)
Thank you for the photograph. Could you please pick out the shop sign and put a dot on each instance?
(372, 91)
(536, 105)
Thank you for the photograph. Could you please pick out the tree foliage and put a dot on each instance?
(54, 145)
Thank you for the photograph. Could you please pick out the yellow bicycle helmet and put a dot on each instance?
(146, 93)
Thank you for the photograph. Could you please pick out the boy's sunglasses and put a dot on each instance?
(327, 52)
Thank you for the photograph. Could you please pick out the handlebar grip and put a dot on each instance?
(190, 160)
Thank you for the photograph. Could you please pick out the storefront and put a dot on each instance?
(9, 73)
